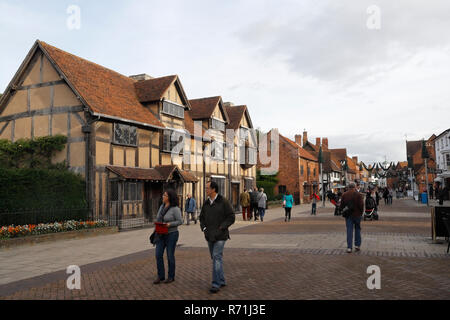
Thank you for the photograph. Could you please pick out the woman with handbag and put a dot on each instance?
(169, 217)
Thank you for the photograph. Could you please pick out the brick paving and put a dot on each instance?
(259, 274)
(302, 259)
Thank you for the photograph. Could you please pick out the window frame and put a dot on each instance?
(131, 129)
(175, 106)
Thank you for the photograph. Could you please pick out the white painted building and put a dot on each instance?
(442, 147)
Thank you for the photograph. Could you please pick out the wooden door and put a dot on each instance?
(235, 196)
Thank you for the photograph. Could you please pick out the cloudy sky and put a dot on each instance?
(365, 74)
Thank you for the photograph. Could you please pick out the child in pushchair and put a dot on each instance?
(371, 210)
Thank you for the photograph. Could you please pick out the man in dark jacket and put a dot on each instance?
(254, 203)
(354, 200)
(216, 217)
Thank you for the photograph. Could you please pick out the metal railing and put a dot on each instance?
(42, 215)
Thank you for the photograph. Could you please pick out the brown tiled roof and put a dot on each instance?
(105, 92)
(158, 173)
(188, 176)
(235, 113)
(203, 108)
(340, 154)
(351, 165)
(137, 173)
(302, 152)
(167, 172)
(307, 155)
(153, 89)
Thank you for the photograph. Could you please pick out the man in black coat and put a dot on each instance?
(216, 217)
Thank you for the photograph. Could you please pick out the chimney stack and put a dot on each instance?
(228, 104)
(325, 143)
(318, 142)
(355, 160)
(305, 137)
(298, 139)
(141, 77)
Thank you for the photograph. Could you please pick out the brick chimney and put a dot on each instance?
(355, 160)
(325, 143)
(318, 142)
(305, 137)
(298, 139)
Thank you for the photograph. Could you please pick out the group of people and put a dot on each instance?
(388, 194)
(254, 204)
(439, 192)
(216, 216)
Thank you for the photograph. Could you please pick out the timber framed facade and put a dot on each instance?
(120, 133)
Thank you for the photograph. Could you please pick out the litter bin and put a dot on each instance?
(424, 197)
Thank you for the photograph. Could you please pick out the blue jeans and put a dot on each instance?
(262, 212)
(356, 222)
(168, 241)
(216, 251)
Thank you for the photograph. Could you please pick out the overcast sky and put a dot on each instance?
(330, 67)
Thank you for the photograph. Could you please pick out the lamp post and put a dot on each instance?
(320, 158)
(425, 156)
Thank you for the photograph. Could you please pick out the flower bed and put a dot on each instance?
(12, 231)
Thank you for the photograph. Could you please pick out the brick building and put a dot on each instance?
(120, 133)
(414, 152)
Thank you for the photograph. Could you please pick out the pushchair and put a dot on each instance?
(370, 214)
(371, 211)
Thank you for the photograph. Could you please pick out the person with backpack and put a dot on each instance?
(352, 206)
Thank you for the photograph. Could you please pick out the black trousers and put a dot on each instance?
(287, 213)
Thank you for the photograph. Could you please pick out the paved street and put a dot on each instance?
(301, 259)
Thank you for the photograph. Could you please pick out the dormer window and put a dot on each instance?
(217, 124)
(173, 109)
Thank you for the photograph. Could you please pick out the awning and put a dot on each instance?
(159, 173)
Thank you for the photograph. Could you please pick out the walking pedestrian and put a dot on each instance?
(262, 202)
(288, 202)
(377, 196)
(386, 195)
(244, 200)
(190, 209)
(170, 214)
(216, 217)
(354, 201)
(314, 197)
(254, 204)
(431, 191)
(390, 196)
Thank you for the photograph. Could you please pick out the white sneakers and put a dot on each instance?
(349, 250)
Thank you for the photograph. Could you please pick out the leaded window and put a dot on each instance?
(217, 124)
(125, 134)
(221, 183)
(217, 150)
(173, 109)
(171, 139)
